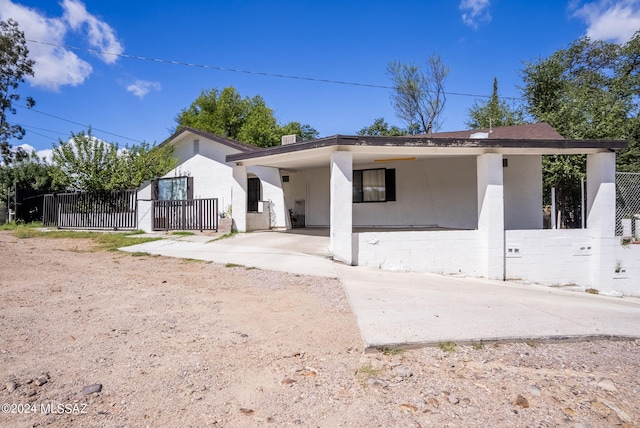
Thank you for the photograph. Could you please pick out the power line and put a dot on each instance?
(258, 73)
(77, 123)
(31, 131)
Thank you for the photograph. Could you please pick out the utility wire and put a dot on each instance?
(258, 73)
(77, 123)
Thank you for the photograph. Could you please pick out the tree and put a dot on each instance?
(589, 90)
(14, 66)
(29, 173)
(418, 96)
(249, 120)
(493, 112)
(88, 164)
(306, 132)
(380, 128)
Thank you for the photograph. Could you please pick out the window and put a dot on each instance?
(374, 185)
(173, 189)
(253, 194)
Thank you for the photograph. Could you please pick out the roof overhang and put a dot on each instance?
(316, 153)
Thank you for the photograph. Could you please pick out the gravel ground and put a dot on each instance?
(95, 338)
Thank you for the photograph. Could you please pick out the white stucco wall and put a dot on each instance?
(212, 176)
(271, 188)
(523, 192)
(442, 251)
(316, 195)
(431, 192)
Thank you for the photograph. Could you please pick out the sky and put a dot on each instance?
(127, 68)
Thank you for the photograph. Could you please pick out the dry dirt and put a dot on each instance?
(176, 343)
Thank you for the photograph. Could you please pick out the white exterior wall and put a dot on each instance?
(317, 196)
(549, 256)
(523, 192)
(443, 251)
(212, 176)
(431, 192)
(272, 193)
(627, 262)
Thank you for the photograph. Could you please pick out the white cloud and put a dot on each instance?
(56, 66)
(475, 11)
(140, 88)
(610, 20)
(100, 35)
(46, 154)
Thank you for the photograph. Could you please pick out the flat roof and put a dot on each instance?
(427, 146)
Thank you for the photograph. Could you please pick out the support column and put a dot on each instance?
(239, 198)
(491, 214)
(601, 217)
(341, 207)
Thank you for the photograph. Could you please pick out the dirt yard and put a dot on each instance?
(96, 338)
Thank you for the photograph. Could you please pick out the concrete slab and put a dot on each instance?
(410, 309)
(405, 309)
(285, 252)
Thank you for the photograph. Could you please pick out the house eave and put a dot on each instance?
(421, 146)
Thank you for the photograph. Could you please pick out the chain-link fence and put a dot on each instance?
(628, 204)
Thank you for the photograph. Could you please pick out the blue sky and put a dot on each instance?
(128, 100)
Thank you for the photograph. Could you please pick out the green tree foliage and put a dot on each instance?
(589, 90)
(493, 112)
(418, 95)
(250, 120)
(380, 128)
(28, 172)
(87, 163)
(14, 66)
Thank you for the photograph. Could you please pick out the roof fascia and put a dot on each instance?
(553, 146)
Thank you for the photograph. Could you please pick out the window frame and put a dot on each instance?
(254, 194)
(156, 190)
(358, 185)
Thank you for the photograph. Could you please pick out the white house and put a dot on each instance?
(453, 203)
(203, 172)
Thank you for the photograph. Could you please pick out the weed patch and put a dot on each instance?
(447, 346)
(109, 241)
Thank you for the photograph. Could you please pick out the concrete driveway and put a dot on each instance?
(410, 309)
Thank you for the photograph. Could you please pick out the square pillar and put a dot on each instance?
(341, 207)
(491, 214)
(601, 217)
(239, 198)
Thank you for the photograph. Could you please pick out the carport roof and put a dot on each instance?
(370, 149)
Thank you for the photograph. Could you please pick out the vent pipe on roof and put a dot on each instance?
(290, 139)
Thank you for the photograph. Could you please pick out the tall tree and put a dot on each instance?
(89, 164)
(589, 90)
(249, 120)
(493, 112)
(418, 95)
(14, 66)
(380, 128)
